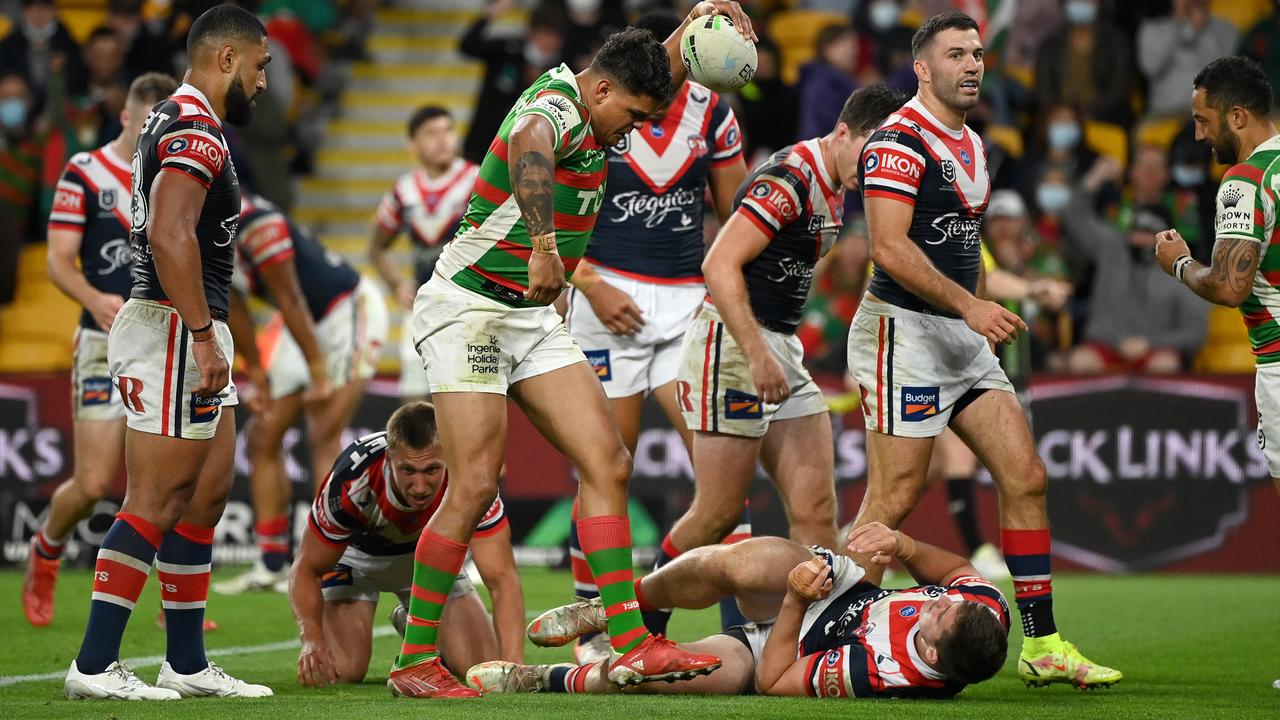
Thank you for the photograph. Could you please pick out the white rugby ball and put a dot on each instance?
(717, 55)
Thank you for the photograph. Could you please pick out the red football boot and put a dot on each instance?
(657, 658)
(37, 588)
(427, 679)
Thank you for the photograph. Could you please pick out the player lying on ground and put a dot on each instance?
(363, 528)
(822, 629)
(312, 360)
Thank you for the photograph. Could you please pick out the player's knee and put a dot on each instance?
(260, 443)
(352, 670)
(475, 493)
(610, 470)
(1031, 484)
(95, 486)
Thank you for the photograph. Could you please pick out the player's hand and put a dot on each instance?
(546, 278)
(320, 389)
(615, 308)
(768, 377)
(316, 665)
(993, 321)
(258, 395)
(734, 12)
(876, 541)
(215, 372)
(809, 581)
(104, 310)
(1169, 247)
(406, 292)
(1050, 293)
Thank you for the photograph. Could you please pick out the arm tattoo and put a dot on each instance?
(532, 182)
(1235, 261)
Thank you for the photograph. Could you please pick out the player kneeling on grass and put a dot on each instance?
(364, 526)
(821, 628)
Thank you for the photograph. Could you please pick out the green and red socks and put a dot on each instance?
(606, 544)
(437, 560)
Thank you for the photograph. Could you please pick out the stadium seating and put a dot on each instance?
(36, 330)
(796, 33)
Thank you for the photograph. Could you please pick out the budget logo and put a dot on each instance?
(919, 403)
(95, 391)
(741, 406)
(599, 360)
(204, 410)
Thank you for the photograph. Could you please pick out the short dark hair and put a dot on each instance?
(413, 426)
(102, 31)
(829, 35)
(949, 20)
(1237, 80)
(659, 22)
(868, 106)
(425, 114)
(222, 23)
(638, 62)
(975, 648)
(150, 88)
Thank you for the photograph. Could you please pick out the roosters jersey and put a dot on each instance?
(863, 644)
(358, 507)
(92, 199)
(942, 173)
(429, 209)
(267, 237)
(183, 135)
(796, 204)
(651, 222)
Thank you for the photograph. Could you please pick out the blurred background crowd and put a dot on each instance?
(1085, 114)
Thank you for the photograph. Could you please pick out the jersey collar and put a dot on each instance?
(1272, 144)
(915, 104)
(915, 656)
(193, 92)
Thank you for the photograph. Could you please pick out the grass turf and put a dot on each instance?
(1190, 647)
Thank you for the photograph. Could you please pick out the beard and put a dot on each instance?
(956, 99)
(1226, 147)
(239, 104)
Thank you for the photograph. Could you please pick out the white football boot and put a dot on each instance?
(256, 578)
(212, 681)
(117, 682)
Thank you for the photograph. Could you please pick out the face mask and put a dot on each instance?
(1063, 135)
(1080, 12)
(1188, 175)
(582, 6)
(535, 57)
(13, 113)
(39, 34)
(1052, 198)
(884, 15)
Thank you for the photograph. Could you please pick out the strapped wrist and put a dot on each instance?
(544, 244)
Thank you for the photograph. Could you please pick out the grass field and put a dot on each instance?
(1190, 647)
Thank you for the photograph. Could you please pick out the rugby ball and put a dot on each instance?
(717, 55)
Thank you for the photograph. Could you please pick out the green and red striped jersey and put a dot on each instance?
(492, 246)
(1246, 209)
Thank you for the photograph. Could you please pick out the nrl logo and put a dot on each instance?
(948, 171)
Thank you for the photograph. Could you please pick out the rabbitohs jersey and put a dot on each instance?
(1246, 210)
(490, 253)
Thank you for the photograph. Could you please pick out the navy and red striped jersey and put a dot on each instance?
(92, 199)
(357, 505)
(429, 210)
(863, 644)
(267, 237)
(793, 200)
(650, 225)
(942, 173)
(183, 135)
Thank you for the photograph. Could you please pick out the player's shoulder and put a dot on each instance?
(78, 164)
(362, 454)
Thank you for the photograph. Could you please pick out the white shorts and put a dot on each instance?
(913, 368)
(93, 396)
(715, 390)
(358, 576)
(1266, 392)
(629, 365)
(351, 335)
(845, 573)
(470, 343)
(149, 351)
(413, 376)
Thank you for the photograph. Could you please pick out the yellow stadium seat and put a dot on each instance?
(1007, 137)
(81, 21)
(1226, 348)
(33, 356)
(1160, 132)
(32, 264)
(1107, 139)
(796, 34)
(1244, 14)
(5, 26)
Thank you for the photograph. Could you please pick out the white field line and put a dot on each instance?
(152, 660)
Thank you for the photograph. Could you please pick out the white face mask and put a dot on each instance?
(582, 6)
(1052, 198)
(1080, 12)
(1187, 175)
(883, 14)
(536, 57)
(1064, 135)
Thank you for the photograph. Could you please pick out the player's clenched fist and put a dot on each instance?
(993, 321)
(214, 370)
(810, 581)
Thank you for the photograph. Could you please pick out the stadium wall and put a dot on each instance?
(1145, 474)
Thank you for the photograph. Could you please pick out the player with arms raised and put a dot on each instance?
(919, 344)
(483, 327)
(168, 350)
(89, 224)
